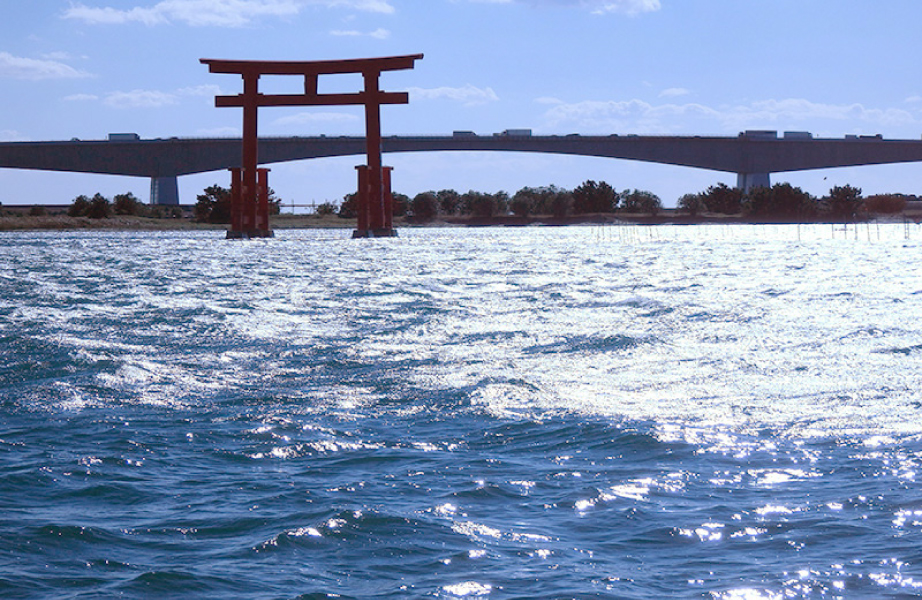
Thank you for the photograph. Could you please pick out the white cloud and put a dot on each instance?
(468, 95)
(638, 116)
(378, 34)
(17, 67)
(212, 13)
(140, 99)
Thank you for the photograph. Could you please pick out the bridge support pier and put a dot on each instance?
(749, 181)
(164, 191)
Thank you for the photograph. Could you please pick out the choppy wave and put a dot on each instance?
(724, 412)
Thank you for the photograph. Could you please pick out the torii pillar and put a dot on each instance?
(375, 204)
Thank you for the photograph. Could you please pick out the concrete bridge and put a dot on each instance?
(753, 155)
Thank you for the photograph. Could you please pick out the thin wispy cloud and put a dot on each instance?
(35, 69)
(140, 99)
(11, 135)
(628, 7)
(147, 98)
(211, 13)
(673, 93)
(81, 98)
(313, 118)
(378, 34)
(468, 95)
(638, 116)
(599, 7)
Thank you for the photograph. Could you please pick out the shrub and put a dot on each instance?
(99, 207)
(325, 209)
(79, 207)
(887, 204)
(127, 204)
(692, 204)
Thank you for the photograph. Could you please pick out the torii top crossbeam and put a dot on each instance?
(312, 67)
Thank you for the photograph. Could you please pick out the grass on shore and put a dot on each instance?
(61, 222)
(119, 223)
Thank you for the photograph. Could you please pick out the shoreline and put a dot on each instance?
(282, 222)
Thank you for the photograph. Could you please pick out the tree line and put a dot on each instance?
(783, 201)
(590, 197)
(100, 207)
(779, 202)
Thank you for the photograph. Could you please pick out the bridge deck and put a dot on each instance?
(174, 157)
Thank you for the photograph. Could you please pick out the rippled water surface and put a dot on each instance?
(728, 412)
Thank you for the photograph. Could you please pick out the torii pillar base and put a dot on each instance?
(375, 204)
(249, 219)
(250, 235)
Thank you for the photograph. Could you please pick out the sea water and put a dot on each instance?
(715, 411)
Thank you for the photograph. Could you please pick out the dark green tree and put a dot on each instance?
(401, 204)
(349, 207)
(275, 203)
(425, 207)
(592, 197)
(641, 202)
(781, 201)
(522, 203)
(213, 205)
(479, 204)
(449, 202)
(560, 203)
(722, 199)
(844, 202)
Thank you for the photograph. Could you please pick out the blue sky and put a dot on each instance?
(699, 67)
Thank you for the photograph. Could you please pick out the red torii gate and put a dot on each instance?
(249, 184)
